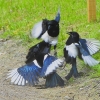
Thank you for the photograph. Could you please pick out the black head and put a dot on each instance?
(73, 38)
(74, 35)
(53, 28)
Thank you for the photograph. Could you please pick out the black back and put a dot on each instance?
(40, 58)
(37, 49)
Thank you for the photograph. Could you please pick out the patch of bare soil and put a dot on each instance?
(12, 55)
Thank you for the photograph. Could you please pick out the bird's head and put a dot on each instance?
(74, 36)
(53, 28)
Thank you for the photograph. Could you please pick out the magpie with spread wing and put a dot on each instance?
(44, 65)
(48, 31)
(83, 48)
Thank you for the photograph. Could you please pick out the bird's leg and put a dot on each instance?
(73, 71)
(55, 52)
(69, 74)
(74, 67)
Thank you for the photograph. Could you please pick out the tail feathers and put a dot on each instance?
(27, 74)
(90, 61)
(54, 80)
(57, 18)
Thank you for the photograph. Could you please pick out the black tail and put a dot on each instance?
(54, 80)
(41, 47)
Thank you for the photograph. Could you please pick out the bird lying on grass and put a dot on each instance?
(83, 48)
(48, 31)
(44, 65)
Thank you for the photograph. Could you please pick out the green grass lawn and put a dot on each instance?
(17, 18)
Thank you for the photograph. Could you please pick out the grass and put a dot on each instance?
(17, 18)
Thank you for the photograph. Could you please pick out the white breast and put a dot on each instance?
(72, 50)
(49, 39)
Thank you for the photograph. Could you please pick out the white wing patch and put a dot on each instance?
(37, 29)
(72, 50)
(90, 61)
(53, 66)
(16, 78)
(93, 45)
(36, 63)
(45, 57)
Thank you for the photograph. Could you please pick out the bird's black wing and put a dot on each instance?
(41, 47)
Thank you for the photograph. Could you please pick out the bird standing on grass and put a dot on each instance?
(83, 48)
(48, 31)
(44, 65)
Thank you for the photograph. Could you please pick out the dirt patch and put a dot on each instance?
(12, 55)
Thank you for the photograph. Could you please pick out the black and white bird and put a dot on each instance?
(44, 65)
(48, 31)
(83, 48)
(41, 47)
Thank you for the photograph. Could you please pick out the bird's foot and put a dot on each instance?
(77, 75)
(68, 76)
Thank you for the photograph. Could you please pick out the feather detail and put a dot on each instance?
(29, 73)
(37, 30)
(90, 45)
(90, 61)
(53, 66)
(57, 18)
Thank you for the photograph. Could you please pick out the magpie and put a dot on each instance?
(44, 65)
(48, 30)
(83, 48)
(41, 47)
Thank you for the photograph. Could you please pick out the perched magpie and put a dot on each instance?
(83, 48)
(44, 65)
(48, 30)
